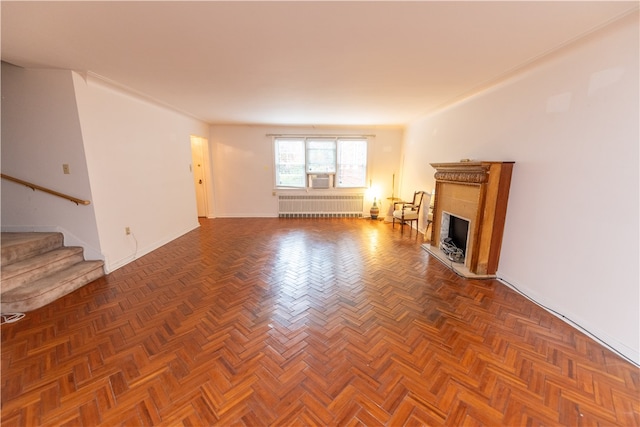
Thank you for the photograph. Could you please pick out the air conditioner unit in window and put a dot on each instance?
(321, 181)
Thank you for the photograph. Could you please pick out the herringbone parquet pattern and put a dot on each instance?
(304, 322)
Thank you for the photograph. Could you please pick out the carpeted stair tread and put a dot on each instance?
(37, 269)
(47, 289)
(38, 266)
(17, 246)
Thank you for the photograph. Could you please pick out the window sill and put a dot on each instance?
(293, 191)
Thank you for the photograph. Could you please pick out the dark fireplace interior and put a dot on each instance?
(458, 231)
(454, 234)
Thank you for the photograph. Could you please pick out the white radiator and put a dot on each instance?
(348, 206)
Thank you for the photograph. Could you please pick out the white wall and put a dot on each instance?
(40, 133)
(242, 158)
(138, 156)
(571, 125)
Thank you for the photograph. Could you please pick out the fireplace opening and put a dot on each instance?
(454, 234)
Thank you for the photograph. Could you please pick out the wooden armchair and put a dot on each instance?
(408, 212)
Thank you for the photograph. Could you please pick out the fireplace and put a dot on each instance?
(454, 235)
(476, 192)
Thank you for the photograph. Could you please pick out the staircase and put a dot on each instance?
(37, 269)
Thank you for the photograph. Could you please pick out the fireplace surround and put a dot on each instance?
(478, 192)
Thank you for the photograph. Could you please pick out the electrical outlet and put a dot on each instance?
(65, 169)
(127, 231)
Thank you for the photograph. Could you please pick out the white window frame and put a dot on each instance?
(334, 173)
(277, 165)
(342, 162)
(328, 155)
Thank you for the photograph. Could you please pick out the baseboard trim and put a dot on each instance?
(111, 266)
(629, 354)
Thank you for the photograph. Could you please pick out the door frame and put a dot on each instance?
(200, 147)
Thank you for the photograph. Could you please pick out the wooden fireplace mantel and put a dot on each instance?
(478, 192)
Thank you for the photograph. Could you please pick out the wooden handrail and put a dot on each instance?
(35, 187)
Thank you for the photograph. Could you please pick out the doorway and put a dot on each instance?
(199, 150)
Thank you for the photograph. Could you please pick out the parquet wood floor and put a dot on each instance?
(304, 322)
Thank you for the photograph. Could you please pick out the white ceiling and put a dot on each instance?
(302, 62)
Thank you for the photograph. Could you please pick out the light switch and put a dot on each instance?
(65, 169)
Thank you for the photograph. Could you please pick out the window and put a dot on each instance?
(345, 158)
(290, 163)
(321, 156)
(352, 166)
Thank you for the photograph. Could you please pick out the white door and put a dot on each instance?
(197, 155)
